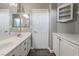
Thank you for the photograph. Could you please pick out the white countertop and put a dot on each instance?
(12, 42)
(73, 38)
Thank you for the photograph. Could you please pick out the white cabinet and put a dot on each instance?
(63, 47)
(65, 12)
(56, 44)
(68, 48)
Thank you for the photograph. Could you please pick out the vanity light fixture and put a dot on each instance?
(13, 4)
(26, 15)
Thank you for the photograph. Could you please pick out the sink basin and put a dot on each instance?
(18, 35)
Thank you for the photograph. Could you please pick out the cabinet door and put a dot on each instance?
(18, 51)
(56, 44)
(28, 44)
(23, 49)
(68, 49)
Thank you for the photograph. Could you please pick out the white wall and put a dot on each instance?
(4, 23)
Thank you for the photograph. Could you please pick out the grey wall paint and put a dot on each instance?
(52, 24)
(53, 18)
(68, 27)
(77, 19)
(72, 26)
(29, 6)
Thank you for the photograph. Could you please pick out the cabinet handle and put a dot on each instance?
(13, 55)
(24, 43)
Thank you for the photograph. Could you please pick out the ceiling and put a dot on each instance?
(35, 5)
(4, 5)
(28, 6)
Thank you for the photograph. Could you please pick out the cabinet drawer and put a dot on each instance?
(24, 48)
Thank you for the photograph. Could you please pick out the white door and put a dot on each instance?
(4, 22)
(56, 44)
(40, 28)
(68, 49)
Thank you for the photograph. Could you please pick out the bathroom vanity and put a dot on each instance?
(66, 44)
(15, 36)
(17, 45)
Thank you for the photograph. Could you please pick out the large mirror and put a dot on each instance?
(16, 21)
(20, 20)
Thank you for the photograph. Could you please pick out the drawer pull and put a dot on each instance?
(24, 43)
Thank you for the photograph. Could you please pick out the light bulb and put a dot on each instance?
(25, 15)
(13, 4)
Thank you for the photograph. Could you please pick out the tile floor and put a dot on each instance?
(40, 52)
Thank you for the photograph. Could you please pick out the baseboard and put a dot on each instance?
(38, 48)
(51, 51)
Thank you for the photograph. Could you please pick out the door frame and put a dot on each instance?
(48, 26)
